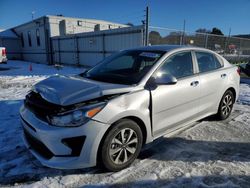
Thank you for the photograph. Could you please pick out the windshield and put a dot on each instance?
(127, 67)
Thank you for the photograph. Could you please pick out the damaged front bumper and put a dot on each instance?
(62, 147)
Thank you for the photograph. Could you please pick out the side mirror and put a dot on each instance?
(161, 79)
(165, 79)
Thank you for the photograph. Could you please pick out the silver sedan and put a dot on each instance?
(106, 114)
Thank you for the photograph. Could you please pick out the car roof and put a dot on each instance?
(166, 48)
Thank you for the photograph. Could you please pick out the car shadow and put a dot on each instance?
(181, 149)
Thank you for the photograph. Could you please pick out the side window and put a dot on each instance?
(217, 62)
(179, 65)
(207, 61)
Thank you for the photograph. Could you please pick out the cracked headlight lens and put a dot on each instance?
(75, 118)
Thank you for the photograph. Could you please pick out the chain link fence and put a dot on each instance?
(234, 49)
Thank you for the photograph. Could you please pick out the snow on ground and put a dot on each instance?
(210, 154)
(22, 68)
(17, 78)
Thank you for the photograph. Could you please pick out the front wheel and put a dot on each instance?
(121, 145)
(226, 105)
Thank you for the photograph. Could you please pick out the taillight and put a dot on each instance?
(4, 52)
(238, 71)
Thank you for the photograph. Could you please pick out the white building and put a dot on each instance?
(33, 39)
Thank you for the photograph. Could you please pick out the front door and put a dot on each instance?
(173, 105)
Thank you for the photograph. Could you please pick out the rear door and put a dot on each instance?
(213, 78)
(173, 105)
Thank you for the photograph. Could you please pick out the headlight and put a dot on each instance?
(76, 118)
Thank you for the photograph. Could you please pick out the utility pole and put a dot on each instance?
(146, 26)
(229, 34)
(206, 40)
(227, 39)
(183, 33)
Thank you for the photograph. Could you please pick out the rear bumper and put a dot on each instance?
(62, 147)
(4, 60)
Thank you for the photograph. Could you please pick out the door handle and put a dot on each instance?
(223, 75)
(194, 83)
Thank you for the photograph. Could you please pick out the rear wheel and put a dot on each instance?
(121, 145)
(226, 105)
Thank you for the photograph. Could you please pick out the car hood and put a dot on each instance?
(68, 90)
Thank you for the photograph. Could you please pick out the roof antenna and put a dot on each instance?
(32, 15)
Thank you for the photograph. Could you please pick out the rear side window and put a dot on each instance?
(207, 61)
(179, 65)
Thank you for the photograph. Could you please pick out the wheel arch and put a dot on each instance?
(233, 91)
(133, 118)
(220, 115)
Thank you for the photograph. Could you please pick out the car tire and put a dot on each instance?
(226, 105)
(122, 145)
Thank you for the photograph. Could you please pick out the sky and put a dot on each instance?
(223, 14)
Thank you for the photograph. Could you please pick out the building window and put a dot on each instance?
(22, 41)
(79, 23)
(38, 37)
(97, 27)
(29, 38)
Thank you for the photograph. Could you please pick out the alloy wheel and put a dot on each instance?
(123, 146)
(227, 104)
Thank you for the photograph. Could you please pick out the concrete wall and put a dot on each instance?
(89, 48)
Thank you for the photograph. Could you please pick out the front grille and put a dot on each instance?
(40, 107)
(38, 146)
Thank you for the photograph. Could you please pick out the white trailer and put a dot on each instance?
(3, 55)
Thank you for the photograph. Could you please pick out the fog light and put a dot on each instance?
(75, 144)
